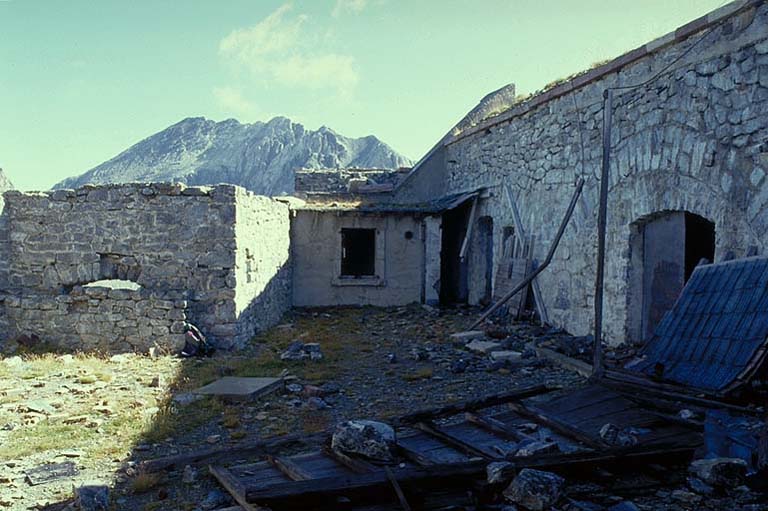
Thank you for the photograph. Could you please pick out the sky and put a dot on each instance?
(82, 80)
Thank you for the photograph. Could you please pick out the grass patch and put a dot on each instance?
(44, 436)
(145, 481)
(419, 374)
(172, 420)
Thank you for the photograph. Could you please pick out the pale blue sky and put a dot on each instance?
(82, 80)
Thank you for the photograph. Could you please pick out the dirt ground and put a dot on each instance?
(104, 414)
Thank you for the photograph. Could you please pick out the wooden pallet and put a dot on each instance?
(434, 457)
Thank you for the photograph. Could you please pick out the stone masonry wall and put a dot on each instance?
(100, 318)
(177, 243)
(335, 181)
(694, 138)
(262, 263)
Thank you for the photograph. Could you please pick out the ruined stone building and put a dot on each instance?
(689, 157)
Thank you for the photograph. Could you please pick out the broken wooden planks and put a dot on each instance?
(557, 425)
(237, 451)
(475, 404)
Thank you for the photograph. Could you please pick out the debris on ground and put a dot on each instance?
(720, 472)
(92, 497)
(298, 351)
(371, 439)
(535, 490)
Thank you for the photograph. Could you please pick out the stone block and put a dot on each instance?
(483, 347)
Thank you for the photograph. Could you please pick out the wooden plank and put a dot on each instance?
(354, 464)
(417, 457)
(398, 489)
(473, 404)
(557, 425)
(537, 296)
(565, 361)
(496, 426)
(234, 487)
(470, 228)
(289, 468)
(455, 442)
(238, 451)
(320, 490)
(441, 476)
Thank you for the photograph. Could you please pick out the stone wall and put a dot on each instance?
(340, 181)
(262, 262)
(167, 238)
(316, 253)
(694, 138)
(100, 319)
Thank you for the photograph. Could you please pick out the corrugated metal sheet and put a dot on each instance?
(715, 335)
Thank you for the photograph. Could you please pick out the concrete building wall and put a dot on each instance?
(172, 240)
(694, 138)
(316, 252)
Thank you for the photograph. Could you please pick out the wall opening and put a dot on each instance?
(665, 249)
(699, 242)
(358, 253)
(454, 287)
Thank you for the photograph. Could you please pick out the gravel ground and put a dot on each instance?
(105, 414)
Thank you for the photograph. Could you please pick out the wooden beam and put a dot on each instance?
(398, 489)
(557, 425)
(633, 385)
(234, 487)
(537, 296)
(238, 451)
(496, 427)
(473, 404)
(468, 234)
(565, 361)
(354, 464)
(416, 457)
(289, 468)
(454, 441)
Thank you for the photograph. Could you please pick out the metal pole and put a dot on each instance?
(524, 283)
(597, 351)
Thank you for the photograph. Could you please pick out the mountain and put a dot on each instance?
(260, 156)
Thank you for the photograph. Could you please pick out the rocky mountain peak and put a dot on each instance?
(259, 156)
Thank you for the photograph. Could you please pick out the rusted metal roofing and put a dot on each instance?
(714, 338)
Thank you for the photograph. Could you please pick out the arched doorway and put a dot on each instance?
(665, 249)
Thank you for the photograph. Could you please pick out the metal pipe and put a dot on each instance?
(524, 283)
(597, 350)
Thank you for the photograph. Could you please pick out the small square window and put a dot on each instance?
(358, 252)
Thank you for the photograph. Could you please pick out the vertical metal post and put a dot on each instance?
(597, 352)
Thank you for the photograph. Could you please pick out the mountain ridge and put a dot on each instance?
(260, 156)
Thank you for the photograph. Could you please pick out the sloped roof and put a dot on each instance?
(714, 338)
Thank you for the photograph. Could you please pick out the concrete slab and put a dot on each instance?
(505, 356)
(468, 336)
(236, 388)
(483, 347)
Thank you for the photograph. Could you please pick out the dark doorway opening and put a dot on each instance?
(699, 242)
(358, 252)
(453, 271)
(673, 244)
